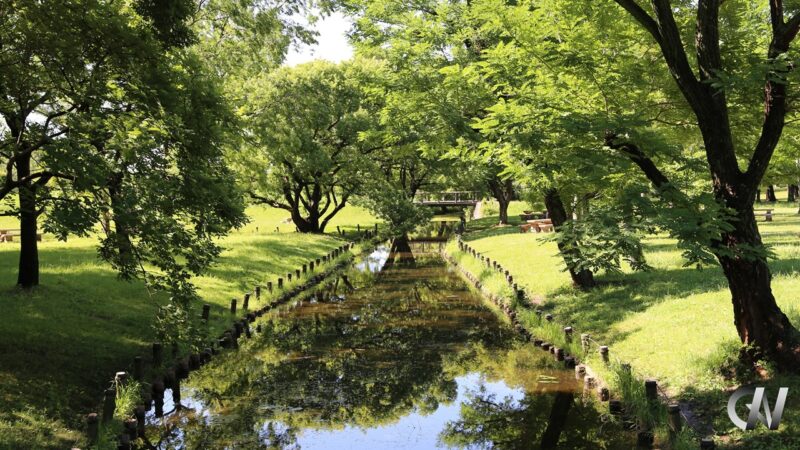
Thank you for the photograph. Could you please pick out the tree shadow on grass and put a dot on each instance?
(618, 296)
(488, 227)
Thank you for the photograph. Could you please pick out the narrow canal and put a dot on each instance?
(396, 354)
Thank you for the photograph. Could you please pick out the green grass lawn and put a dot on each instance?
(63, 341)
(674, 324)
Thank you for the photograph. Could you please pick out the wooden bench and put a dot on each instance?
(7, 235)
(766, 213)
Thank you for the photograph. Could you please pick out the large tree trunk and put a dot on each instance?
(28, 274)
(758, 319)
(308, 224)
(558, 214)
(503, 192)
(771, 194)
(793, 191)
(122, 228)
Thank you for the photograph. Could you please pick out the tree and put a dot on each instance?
(308, 156)
(706, 90)
(127, 132)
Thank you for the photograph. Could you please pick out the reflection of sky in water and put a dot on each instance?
(414, 431)
(375, 261)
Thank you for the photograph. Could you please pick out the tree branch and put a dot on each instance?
(637, 156)
(642, 17)
(268, 201)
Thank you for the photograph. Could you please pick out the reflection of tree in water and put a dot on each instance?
(383, 353)
(532, 422)
(400, 253)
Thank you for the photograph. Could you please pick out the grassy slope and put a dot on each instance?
(61, 342)
(674, 323)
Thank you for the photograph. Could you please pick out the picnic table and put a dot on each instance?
(766, 213)
(538, 225)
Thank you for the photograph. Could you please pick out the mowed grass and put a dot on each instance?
(674, 323)
(62, 342)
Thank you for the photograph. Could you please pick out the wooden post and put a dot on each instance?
(297, 272)
(246, 302)
(109, 404)
(206, 312)
(580, 371)
(176, 393)
(269, 287)
(604, 394)
(549, 317)
(258, 293)
(158, 353)
(124, 442)
(138, 368)
(233, 306)
(158, 397)
(289, 277)
(604, 353)
(92, 427)
(615, 407)
(588, 383)
(644, 439)
(280, 283)
(376, 228)
(585, 342)
(140, 420)
(311, 266)
(674, 418)
(651, 389)
(559, 354)
(568, 334)
(130, 428)
(358, 227)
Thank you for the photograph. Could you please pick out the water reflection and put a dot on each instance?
(407, 359)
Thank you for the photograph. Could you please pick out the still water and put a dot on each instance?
(397, 354)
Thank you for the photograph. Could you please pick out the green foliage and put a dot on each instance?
(310, 155)
(393, 206)
(129, 395)
(603, 239)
